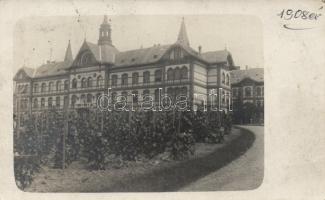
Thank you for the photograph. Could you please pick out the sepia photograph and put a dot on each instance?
(138, 103)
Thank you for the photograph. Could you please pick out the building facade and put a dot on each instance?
(248, 95)
(78, 82)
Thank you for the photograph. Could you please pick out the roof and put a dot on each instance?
(29, 71)
(141, 56)
(51, 69)
(256, 74)
(216, 56)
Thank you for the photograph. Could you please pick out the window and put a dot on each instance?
(248, 92)
(135, 96)
(184, 91)
(146, 92)
(50, 102)
(146, 77)
(135, 78)
(58, 84)
(100, 81)
(184, 73)
(65, 101)
(51, 86)
(234, 92)
(125, 79)
(223, 96)
(156, 95)
(258, 91)
(90, 82)
(83, 83)
(73, 100)
(170, 74)
(83, 99)
(89, 98)
(86, 58)
(35, 88)
(66, 85)
(177, 73)
(158, 74)
(35, 105)
(125, 95)
(227, 80)
(114, 94)
(74, 83)
(223, 78)
(57, 101)
(170, 92)
(114, 80)
(42, 103)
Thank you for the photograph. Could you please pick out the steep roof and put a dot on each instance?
(182, 35)
(29, 71)
(141, 56)
(216, 56)
(256, 74)
(68, 54)
(51, 69)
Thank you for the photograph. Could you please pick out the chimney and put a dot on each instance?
(200, 50)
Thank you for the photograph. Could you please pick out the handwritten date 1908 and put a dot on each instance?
(289, 14)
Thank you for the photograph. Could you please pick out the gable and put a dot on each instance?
(22, 75)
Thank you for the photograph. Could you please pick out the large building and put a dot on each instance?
(248, 95)
(76, 82)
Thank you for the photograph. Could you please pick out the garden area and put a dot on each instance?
(55, 151)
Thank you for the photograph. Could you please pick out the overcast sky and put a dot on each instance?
(36, 36)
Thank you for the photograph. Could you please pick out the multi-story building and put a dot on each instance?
(175, 68)
(248, 95)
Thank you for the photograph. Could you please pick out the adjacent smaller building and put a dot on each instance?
(248, 95)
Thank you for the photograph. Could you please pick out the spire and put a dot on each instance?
(182, 35)
(68, 54)
(105, 33)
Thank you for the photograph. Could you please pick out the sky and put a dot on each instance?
(38, 39)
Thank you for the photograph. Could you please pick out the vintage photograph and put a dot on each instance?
(138, 103)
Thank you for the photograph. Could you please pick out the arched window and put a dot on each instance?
(176, 92)
(114, 80)
(43, 87)
(73, 100)
(35, 105)
(58, 85)
(135, 96)
(58, 101)
(42, 103)
(177, 73)
(158, 74)
(90, 82)
(184, 73)
(35, 88)
(51, 86)
(170, 74)
(223, 96)
(248, 92)
(50, 102)
(66, 85)
(227, 80)
(100, 81)
(83, 83)
(89, 98)
(74, 83)
(135, 78)
(258, 91)
(146, 77)
(125, 79)
(223, 78)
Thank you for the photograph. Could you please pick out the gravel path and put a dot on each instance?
(244, 173)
